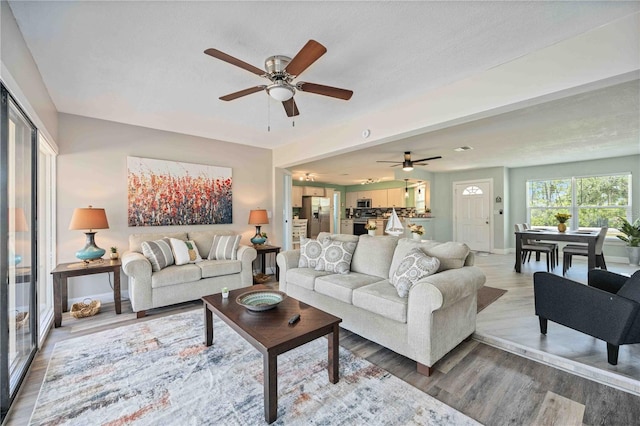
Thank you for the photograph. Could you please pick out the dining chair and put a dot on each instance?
(578, 250)
(529, 246)
(555, 245)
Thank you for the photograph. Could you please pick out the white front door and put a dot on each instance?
(472, 208)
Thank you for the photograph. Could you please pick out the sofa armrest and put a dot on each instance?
(135, 265)
(445, 288)
(287, 260)
(138, 269)
(246, 255)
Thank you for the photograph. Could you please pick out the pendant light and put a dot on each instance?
(406, 190)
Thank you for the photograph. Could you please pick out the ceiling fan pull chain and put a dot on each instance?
(268, 115)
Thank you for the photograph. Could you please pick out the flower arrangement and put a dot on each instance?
(416, 229)
(370, 226)
(562, 217)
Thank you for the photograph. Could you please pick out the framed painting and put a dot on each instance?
(162, 193)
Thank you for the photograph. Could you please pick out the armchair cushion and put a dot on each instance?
(631, 288)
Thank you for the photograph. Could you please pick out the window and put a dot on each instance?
(592, 201)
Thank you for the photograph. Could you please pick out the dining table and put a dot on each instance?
(585, 236)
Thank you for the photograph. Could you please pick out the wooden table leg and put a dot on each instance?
(334, 357)
(64, 287)
(208, 326)
(57, 302)
(270, 387)
(263, 262)
(116, 291)
(591, 254)
(518, 253)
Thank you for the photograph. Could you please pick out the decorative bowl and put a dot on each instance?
(261, 300)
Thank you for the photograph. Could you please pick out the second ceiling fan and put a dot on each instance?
(281, 71)
(407, 164)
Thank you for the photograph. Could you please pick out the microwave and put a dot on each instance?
(364, 203)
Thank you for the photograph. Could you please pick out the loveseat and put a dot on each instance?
(437, 314)
(205, 272)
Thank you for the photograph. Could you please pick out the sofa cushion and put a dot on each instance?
(224, 247)
(631, 288)
(175, 275)
(304, 277)
(381, 298)
(415, 266)
(341, 287)
(310, 252)
(373, 255)
(217, 268)
(451, 255)
(159, 253)
(203, 239)
(336, 256)
(185, 251)
(135, 240)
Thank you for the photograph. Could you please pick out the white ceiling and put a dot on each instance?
(142, 63)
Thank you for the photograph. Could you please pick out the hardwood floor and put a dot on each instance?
(491, 385)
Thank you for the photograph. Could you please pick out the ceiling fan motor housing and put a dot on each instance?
(275, 66)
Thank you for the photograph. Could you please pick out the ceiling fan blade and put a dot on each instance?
(319, 89)
(427, 159)
(382, 161)
(290, 108)
(241, 93)
(234, 61)
(305, 57)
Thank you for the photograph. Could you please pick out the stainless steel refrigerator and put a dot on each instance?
(318, 212)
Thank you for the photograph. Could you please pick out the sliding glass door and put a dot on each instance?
(18, 260)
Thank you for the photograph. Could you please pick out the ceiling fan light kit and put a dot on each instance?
(281, 71)
(407, 163)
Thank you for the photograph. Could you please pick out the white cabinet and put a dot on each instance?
(312, 191)
(365, 195)
(296, 196)
(346, 226)
(379, 198)
(351, 201)
(396, 198)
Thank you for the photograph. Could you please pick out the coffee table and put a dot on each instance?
(270, 333)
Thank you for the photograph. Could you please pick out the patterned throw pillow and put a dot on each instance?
(185, 251)
(159, 253)
(224, 247)
(336, 256)
(310, 252)
(415, 266)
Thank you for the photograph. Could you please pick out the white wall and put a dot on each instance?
(92, 170)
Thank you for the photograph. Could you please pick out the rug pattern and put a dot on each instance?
(160, 372)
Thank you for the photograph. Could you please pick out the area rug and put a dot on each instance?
(488, 295)
(159, 372)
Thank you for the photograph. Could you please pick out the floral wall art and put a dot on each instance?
(171, 193)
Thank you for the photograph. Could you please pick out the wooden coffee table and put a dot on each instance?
(270, 333)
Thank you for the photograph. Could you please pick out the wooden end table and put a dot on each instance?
(76, 269)
(262, 250)
(270, 333)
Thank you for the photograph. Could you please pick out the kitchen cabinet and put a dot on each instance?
(396, 198)
(313, 191)
(351, 200)
(346, 226)
(379, 198)
(296, 196)
(365, 195)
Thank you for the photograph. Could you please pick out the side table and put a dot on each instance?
(262, 250)
(66, 270)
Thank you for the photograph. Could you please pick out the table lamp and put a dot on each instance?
(257, 218)
(89, 218)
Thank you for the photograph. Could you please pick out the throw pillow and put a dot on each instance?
(310, 252)
(336, 256)
(159, 253)
(185, 251)
(224, 247)
(415, 266)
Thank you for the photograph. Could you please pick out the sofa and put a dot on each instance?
(149, 288)
(438, 313)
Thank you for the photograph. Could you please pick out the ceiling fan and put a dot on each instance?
(281, 71)
(407, 164)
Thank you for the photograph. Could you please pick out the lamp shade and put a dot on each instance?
(89, 218)
(258, 217)
(21, 220)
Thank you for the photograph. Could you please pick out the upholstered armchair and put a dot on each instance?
(608, 308)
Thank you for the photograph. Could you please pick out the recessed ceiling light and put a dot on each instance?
(463, 148)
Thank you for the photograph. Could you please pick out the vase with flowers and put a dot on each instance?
(416, 231)
(371, 228)
(562, 218)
